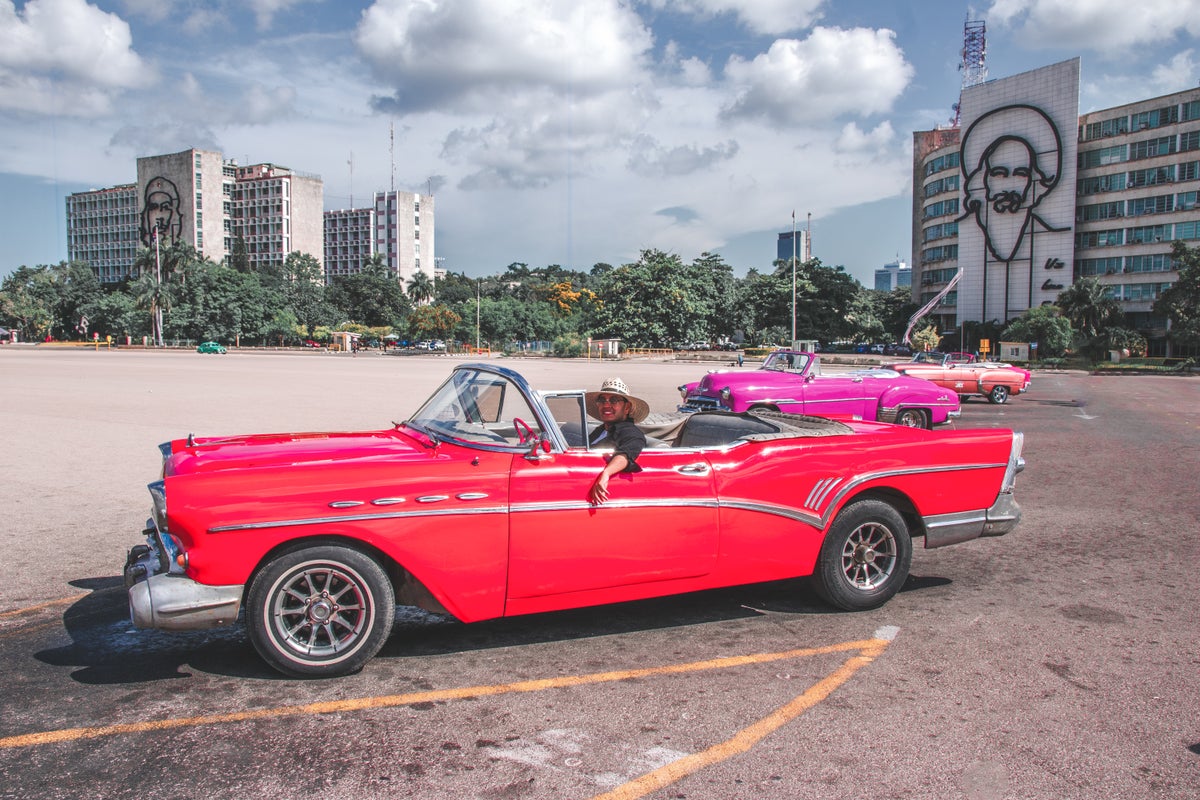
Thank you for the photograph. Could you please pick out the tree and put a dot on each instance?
(370, 297)
(26, 302)
(436, 322)
(420, 288)
(926, 338)
(654, 302)
(304, 292)
(1044, 325)
(1180, 302)
(1091, 313)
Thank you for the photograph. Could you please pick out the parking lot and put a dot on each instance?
(1058, 662)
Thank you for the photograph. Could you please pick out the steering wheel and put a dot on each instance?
(528, 435)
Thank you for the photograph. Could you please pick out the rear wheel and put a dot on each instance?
(913, 418)
(998, 395)
(865, 558)
(320, 612)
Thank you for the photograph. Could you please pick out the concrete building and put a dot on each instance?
(1027, 196)
(893, 275)
(276, 211)
(102, 230)
(196, 197)
(398, 226)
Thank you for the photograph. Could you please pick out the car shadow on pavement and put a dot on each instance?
(105, 647)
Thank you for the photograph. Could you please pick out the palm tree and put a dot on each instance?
(420, 288)
(154, 295)
(1086, 306)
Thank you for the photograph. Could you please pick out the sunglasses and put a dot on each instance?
(609, 399)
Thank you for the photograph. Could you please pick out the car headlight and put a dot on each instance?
(683, 390)
(725, 394)
(158, 495)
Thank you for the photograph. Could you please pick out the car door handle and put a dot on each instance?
(693, 469)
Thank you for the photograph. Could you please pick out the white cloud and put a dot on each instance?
(475, 54)
(833, 72)
(854, 139)
(761, 16)
(65, 47)
(1098, 25)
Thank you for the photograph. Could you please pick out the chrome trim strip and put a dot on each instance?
(345, 503)
(469, 496)
(433, 498)
(809, 515)
(284, 523)
(387, 501)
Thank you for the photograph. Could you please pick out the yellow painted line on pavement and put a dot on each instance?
(62, 601)
(749, 736)
(866, 647)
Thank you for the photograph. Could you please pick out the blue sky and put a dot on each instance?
(550, 131)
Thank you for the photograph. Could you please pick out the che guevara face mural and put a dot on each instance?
(160, 211)
(1011, 158)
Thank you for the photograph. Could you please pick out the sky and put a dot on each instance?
(566, 132)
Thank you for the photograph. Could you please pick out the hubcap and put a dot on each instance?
(869, 556)
(320, 611)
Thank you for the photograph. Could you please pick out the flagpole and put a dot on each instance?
(158, 292)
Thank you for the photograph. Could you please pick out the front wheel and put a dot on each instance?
(865, 557)
(998, 395)
(320, 612)
(912, 418)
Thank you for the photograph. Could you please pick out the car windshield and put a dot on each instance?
(478, 407)
(787, 362)
(928, 358)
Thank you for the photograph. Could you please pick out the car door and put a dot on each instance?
(658, 529)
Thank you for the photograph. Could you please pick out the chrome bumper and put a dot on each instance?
(946, 529)
(160, 597)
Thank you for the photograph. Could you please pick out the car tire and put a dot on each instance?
(913, 418)
(320, 612)
(865, 557)
(998, 395)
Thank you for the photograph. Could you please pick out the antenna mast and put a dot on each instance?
(351, 163)
(974, 58)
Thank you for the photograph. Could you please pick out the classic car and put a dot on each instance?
(791, 381)
(935, 357)
(477, 507)
(210, 347)
(995, 381)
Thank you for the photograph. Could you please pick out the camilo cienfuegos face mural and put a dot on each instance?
(1011, 160)
(160, 211)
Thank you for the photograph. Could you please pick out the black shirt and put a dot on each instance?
(626, 438)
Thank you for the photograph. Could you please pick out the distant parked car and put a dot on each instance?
(210, 347)
(791, 381)
(997, 382)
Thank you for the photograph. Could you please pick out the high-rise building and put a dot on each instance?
(1027, 196)
(399, 227)
(102, 230)
(893, 275)
(196, 197)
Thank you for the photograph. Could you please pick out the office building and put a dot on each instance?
(893, 275)
(398, 226)
(1026, 195)
(196, 197)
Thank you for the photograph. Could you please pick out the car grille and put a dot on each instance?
(704, 403)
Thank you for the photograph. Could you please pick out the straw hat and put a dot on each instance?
(617, 386)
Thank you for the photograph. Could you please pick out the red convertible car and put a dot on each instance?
(477, 507)
(997, 382)
(791, 381)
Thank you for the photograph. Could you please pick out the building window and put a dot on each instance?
(1156, 118)
(1161, 204)
(1088, 239)
(1100, 211)
(948, 161)
(1089, 267)
(1151, 176)
(1155, 262)
(1089, 159)
(1148, 233)
(1105, 128)
(1150, 148)
(941, 208)
(1189, 141)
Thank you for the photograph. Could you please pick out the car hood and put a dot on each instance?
(215, 454)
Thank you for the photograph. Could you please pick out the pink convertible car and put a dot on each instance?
(791, 381)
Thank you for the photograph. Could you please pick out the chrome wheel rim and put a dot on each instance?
(869, 556)
(320, 612)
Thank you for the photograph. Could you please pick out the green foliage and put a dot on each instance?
(926, 338)
(1180, 303)
(1044, 325)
